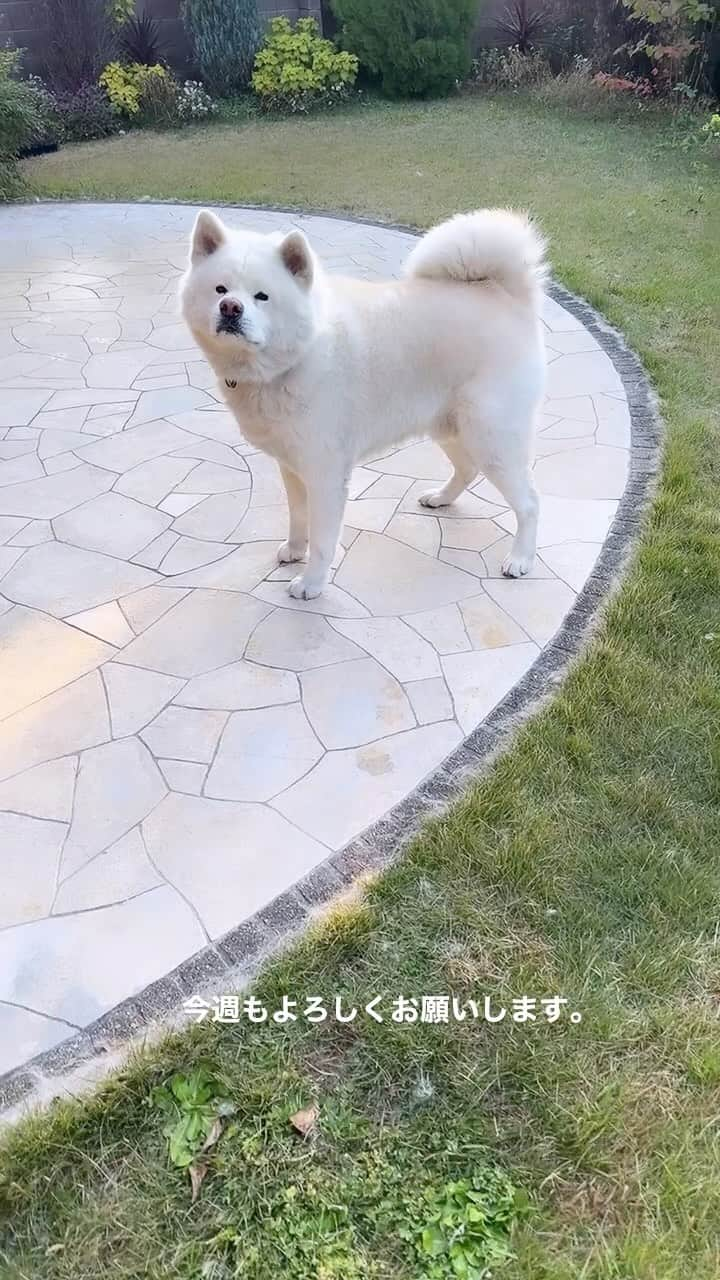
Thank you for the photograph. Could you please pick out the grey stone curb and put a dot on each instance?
(235, 958)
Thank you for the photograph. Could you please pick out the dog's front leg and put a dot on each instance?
(326, 504)
(296, 545)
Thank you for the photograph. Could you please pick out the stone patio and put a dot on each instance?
(179, 739)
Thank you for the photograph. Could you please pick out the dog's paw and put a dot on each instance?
(433, 498)
(289, 552)
(517, 566)
(304, 588)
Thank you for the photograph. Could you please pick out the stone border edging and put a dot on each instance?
(236, 957)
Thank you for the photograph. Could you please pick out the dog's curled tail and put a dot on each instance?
(490, 244)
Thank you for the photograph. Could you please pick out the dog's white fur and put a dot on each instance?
(326, 371)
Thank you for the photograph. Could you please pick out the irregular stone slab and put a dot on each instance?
(539, 609)
(117, 786)
(112, 524)
(389, 578)
(478, 680)
(598, 471)
(135, 696)
(135, 445)
(572, 561)
(241, 570)
(420, 532)
(107, 621)
(116, 368)
(185, 733)
(261, 752)
(144, 607)
(487, 625)
(430, 700)
(153, 555)
(188, 554)
(240, 686)
(400, 649)
(354, 703)
(214, 518)
(249, 855)
(43, 792)
(53, 495)
(153, 480)
(299, 642)
(207, 629)
(53, 964)
(24, 1033)
(20, 469)
(11, 526)
(121, 872)
(18, 407)
(348, 790)
(30, 852)
(32, 534)
(212, 477)
(70, 720)
(182, 775)
(64, 580)
(54, 443)
(163, 403)
(39, 655)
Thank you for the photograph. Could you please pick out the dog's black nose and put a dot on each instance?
(229, 308)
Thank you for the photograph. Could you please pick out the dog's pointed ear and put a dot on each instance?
(297, 255)
(207, 236)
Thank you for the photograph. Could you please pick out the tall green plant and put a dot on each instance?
(225, 35)
(416, 47)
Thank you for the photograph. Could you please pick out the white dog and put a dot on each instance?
(322, 371)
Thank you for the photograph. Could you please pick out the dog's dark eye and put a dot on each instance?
(261, 297)
(220, 288)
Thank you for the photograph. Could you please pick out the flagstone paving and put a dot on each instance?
(179, 739)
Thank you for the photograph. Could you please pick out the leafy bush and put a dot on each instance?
(84, 113)
(416, 49)
(128, 84)
(225, 35)
(25, 119)
(711, 129)
(82, 41)
(296, 69)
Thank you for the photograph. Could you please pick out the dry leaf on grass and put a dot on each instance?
(305, 1121)
(199, 1167)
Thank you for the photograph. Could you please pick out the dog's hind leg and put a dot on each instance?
(465, 471)
(296, 545)
(516, 486)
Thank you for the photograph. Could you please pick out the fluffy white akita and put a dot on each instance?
(322, 371)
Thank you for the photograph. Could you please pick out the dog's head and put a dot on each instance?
(248, 298)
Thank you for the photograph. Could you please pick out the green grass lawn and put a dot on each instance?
(586, 864)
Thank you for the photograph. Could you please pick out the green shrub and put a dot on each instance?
(416, 47)
(225, 35)
(296, 69)
(25, 119)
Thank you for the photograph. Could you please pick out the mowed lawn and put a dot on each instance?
(586, 864)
